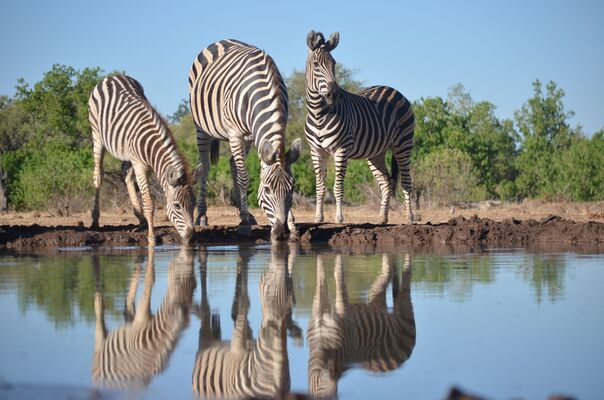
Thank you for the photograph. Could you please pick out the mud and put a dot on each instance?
(552, 232)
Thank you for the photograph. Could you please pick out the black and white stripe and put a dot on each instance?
(124, 124)
(129, 356)
(365, 334)
(355, 126)
(238, 95)
(244, 367)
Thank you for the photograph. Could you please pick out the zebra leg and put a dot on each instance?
(378, 168)
(97, 177)
(136, 206)
(236, 193)
(341, 162)
(341, 292)
(377, 292)
(403, 155)
(142, 316)
(140, 171)
(319, 162)
(294, 234)
(243, 180)
(203, 145)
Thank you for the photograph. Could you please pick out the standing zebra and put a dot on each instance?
(238, 95)
(124, 123)
(364, 333)
(244, 367)
(355, 126)
(131, 355)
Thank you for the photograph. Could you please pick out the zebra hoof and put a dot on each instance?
(251, 220)
(202, 220)
(94, 226)
(294, 235)
(409, 219)
(383, 221)
(318, 220)
(151, 241)
(339, 220)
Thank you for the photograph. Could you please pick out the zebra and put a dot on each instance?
(355, 126)
(238, 95)
(365, 334)
(244, 367)
(125, 124)
(132, 354)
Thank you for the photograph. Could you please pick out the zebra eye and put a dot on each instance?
(176, 205)
(315, 63)
(267, 190)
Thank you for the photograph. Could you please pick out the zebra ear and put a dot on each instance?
(293, 154)
(314, 40)
(172, 176)
(333, 41)
(197, 173)
(267, 152)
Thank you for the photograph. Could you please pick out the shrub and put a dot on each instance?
(52, 178)
(445, 176)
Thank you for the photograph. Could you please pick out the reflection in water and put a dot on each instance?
(244, 368)
(129, 356)
(364, 333)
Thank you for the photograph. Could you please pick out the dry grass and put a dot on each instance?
(534, 209)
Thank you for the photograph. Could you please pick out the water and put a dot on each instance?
(498, 323)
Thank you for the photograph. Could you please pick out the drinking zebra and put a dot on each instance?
(238, 95)
(129, 356)
(355, 126)
(124, 123)
(365, 333)
(244, 367)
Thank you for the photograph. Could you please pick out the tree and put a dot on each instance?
(57, 106)
(472, 127)
(545, 130)
(180, 113)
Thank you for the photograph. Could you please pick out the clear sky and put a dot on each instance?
(422, 48)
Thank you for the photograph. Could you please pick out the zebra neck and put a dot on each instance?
(316, 105)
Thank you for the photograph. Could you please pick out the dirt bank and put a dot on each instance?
(552, 230)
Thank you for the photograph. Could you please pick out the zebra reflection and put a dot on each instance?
(244, 367)
(129, 356)
(366, 334)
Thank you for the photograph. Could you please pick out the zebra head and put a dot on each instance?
(180, 202)
(277, 185)
(321, 67)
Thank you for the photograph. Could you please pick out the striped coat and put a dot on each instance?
(237, 95)
(124, 124)
(366, 334)
(348, 126)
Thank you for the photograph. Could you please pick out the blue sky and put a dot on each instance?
(422, 48)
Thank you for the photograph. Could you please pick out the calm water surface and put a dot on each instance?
(178, 323)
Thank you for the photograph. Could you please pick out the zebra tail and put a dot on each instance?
(214, 151)
(395, 174)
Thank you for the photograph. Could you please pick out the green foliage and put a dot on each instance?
(57, 106)
(461, 123)
(52, 178)
(447, 175)
(63, 287)
(546, 134)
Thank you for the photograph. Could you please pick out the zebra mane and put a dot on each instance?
(186, 167)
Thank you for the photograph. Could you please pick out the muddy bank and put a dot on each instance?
(552, 231)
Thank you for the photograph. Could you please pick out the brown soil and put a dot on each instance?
(559, 226)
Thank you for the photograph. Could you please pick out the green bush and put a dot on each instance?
(445, 176)
(53, 178)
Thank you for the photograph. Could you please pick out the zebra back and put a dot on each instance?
(236, 87)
